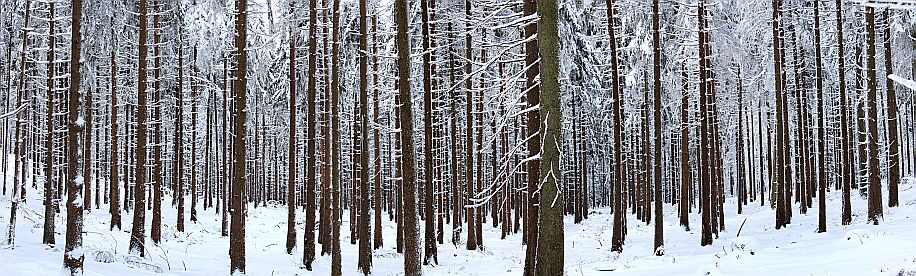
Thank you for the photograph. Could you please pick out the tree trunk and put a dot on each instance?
(73, 253)
(533, 144)
(138, 231)
(309, 236)
(875, 207)
(658, 244)
(291, 162)
(365, 238)
(430, 252)
(239, 179)
(893, 144)
(550, 225)
(411, 229)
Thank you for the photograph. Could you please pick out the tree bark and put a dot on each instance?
(411, 229)
(73, 253)
(239, 179)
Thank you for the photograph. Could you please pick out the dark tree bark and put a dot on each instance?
(893, 144)
(138, 229)
(469, 139)
(411, 229)
(335, 144)
(365, 238)
(658, 243)
(684, 194)
(821, 142)
(875, 207)
(619, 207)
(309, 236)
(377, 197)
(429, 245)
(156, 229)
(114, 207)
(178, 141)
(533, 144)
(291, 163)
(73, 253)
(239, 180)
(846, 171)
(47, 236)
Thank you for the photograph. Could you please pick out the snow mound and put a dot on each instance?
(859, 235)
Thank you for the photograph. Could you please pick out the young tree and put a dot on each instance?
(239, 156)
(73, 252)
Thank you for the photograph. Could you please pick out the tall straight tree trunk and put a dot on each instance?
(114, 197)
(846, 171)
(156, 229)
(684, 194)
(377, 179)
(533, 143)
(73, 253)
(309, 236)
(875, 207)
(893, 144)
(618, 235)
(706, 156)
(138, 231)
(429, 245)
(194, 95)
(335, 143)
(50, 187)
(365, 238)
(291, 162)
(411, 229)
(821, 141)
(779, 172)
(469, 139)
(657, 87)
(178, 144)
(239, 179)
(550, 226)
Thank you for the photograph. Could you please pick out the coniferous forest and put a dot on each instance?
(458, 137)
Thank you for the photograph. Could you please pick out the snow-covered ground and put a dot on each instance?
(857, 249)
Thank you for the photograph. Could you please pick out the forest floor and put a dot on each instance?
(856, 249)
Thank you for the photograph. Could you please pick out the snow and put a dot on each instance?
(903, 81)
(857, 249)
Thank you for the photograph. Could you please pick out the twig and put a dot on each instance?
(742, 227)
